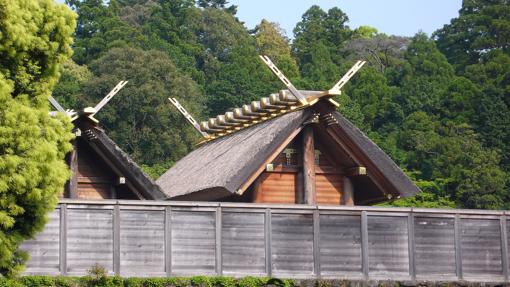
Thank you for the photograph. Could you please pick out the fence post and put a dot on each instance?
(219, 264)
(267, 245)
(63, 239)
(316, 244)
(168, 241)
(410, 233)
(116, 239)
(504, 246)
(364, 244)
(458, 248)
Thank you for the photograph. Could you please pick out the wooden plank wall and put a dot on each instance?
(133, 238)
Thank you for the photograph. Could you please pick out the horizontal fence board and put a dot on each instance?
(340, 244)
(481, 247)
(243, 243)
(142, 242)
(44, 248)
(434, 246)
(292, 244)
(388, 245)
(193, 242)
(285, 247)
(89, 240)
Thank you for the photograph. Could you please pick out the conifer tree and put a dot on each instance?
(35, 38)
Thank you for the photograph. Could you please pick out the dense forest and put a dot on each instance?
(439, 105)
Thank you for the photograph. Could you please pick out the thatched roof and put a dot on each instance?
(220, 167)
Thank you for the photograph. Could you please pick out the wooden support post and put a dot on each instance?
(410, 234)
(72, 185)
(504, 246)
(63, 240)
(168, 241)
(116, 239)
(347, 192)
(219, 252)
(458, 248)
(309, 166)
(267, 242)
(364, 245)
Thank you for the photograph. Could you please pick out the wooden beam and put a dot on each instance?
(347, 192)
(309, 166)
(73, 166)
(356, 171)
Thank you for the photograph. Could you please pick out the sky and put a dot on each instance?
(392, 17)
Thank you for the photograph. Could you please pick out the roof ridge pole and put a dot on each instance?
(284, 79)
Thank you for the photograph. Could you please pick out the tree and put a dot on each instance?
(140, 119)
(271, 41)
(68, 91)
(482, 26)
(234, 74)
(35, 38)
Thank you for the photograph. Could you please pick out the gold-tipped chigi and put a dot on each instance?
(267, 107)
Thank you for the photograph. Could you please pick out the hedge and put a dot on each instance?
(116, 281)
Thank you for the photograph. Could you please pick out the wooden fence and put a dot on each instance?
(151, 238)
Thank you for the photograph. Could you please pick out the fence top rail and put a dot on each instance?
(294, 207)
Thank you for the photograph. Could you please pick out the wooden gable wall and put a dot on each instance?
(283, 180)
(92, 177)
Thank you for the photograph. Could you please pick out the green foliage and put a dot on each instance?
(99, 279)
(139, 118)
(482, 26)
(35, 38)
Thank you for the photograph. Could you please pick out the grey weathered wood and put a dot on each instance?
(218, 253)
(388, 245)
(116, 240)
(364, 244)
(158, 239)
(340, 245)
(481, 247)
(292, 244)
(504, 247)
(267, 243)
(193, 242)
(89, 239)
(44, 249)
(458, 248)
(410, 232)
(243, 243)
(142, 242)
(168, 241)
(73, 166)
(316, 244)
(434, 246)
(63, 239)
